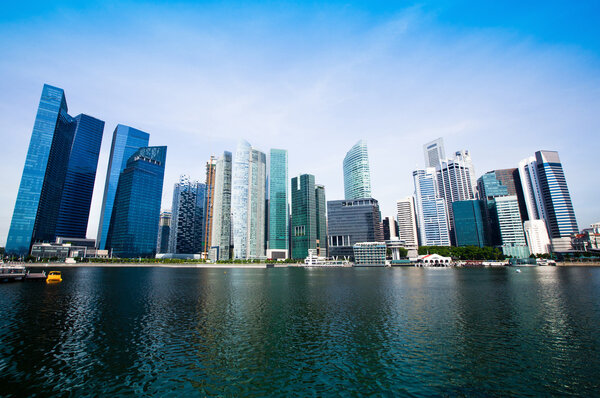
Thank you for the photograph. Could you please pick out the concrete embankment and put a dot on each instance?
(577, 264)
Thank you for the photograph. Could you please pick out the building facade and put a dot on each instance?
(469, 223)
(304, 215)
(221, 227)
(187, 217)
(407, 221)
(164, 229)
(209, 205)
(369, 254)
(125, 142)
(278, 205)
(536, 236)
(357, 177)
(511, 227)
(434, 153)
(321, 203)
(432, 220)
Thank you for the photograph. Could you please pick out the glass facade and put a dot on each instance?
(164, 229)
(434, 153)
(81, 175)
(304, 215)
(125, 142)
(432, 220)
(321, 204)
(369, 254)
(187, 217)
(469, 223)
(278, 200)
(221, 228)
(357, 177)
(134, 227)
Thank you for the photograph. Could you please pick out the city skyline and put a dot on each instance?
(554, 110)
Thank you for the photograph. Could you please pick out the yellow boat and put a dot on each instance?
(54, 276)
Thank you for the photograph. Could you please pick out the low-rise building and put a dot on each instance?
(369, 254)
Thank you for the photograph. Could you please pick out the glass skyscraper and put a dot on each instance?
(469, 224)
(434, 153)
(164, 229)
(304, 215)
(321, 204)
(432, 220)
(357, 177)
(221, 226)
(38, 207)
(125, 142)
(278, 203)
(134, 227)
(187, 217)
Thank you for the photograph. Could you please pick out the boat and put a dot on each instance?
(12, 272)
(54, 276)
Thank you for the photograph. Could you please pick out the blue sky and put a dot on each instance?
(501, 79)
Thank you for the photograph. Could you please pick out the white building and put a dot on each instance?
(511, 229)
(537, 236)
(407, 221)
(432, 220)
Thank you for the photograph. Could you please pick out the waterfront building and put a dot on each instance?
(537, 236)
(357, 177)
(469, 223)
(503, 182)
(510, 226)
(221, 227)
(136, 210)
(187, 217)
(350, 222)
(530, 186)
(208, 206)
(434, 153)
(68, 247)
(37, 213)
(125, 142)
(304, 215)
(369, 254)
(389, 228)
(164, 229)
(432, 220)
(588, 239)
(321, 203)
(278, 205)
(407, 221)
(248, 202)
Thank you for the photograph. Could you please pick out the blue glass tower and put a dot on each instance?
(134, 227)
(81, 174)
(357, 177)
(278, 201)
(126, 141)
(468, 222)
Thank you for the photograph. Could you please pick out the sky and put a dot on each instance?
(501, 79)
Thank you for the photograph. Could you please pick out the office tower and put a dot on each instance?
(503, 182)
(37, 213)
(304, 215)
(559, 213)
(357, 178)
(81, 174)
(432, 220)
(532, 195)
(537, 236)
(248, 195)
(278, 205)
(407, 221)
(434, 153)
(208, 207)
(164, 228)
(350, 222)
(511, 227)
(136, 210)
(125, 142)
(187, 217)
(321, 204)
(469, 225)
(221, 228)
(389, 228)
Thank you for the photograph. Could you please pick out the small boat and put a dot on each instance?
(53, 276)
(518, 271)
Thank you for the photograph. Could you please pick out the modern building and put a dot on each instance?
(278, 205)
(369, 254)
(530, 186)
(321, 203)
(432, 220)
(304, 215)
(164, 229)
(510, 226)
(434, 153)
(249, 173)
(125, 142)
(407, 221)
(187, 217)
(208, 206)
(537, 236)
(503, 182)
(350, 222)
(133, 230)
(469, 226)
(389, 228)
(357, 177)
(57, 143)
(68, 247)
(221, 226)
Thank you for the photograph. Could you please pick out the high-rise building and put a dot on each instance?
(537, 236)
(469, 222)
(510, 226)
(532, 195)
(187, 217)
(407, 221)
(125, 142)
(278, 205)
(503, 182)
(321, 204)
(432, 220)
(434, 153)
(389, 228)
(133, 229)
(350, 222)
(221, 227)
(208, 207)
(304, 215)
(49, 180)
(248, 202)
(357, 178)
(164, 228)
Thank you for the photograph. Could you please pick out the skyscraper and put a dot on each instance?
(304, 215)
(164, 229)
(248, 202)
(407, 221)
(125, 142)
(532, 195)
(321, 204)
(537, 236)
(134, 227)
(208, 207)
(38, 207)
(357, 178)
(510, 226)
(432, 220)
(434, 153)
(187, 217)
(469, 225)
(278, 205)
(221, 227)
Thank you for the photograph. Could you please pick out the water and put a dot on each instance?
(297, 332)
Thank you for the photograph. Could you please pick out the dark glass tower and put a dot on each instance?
(125, 142)
(469, 222)
(187, 218)
(304, 215)
(134, 227)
